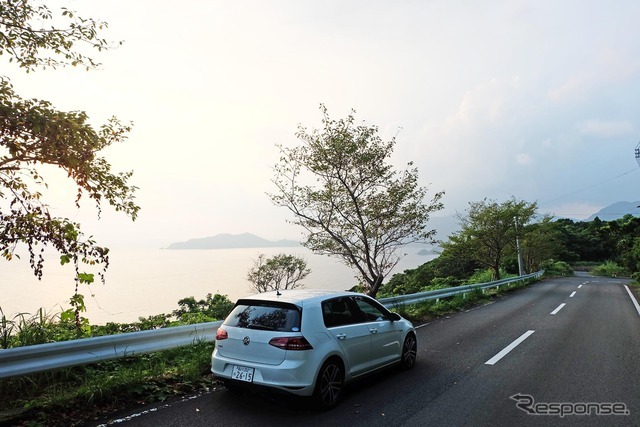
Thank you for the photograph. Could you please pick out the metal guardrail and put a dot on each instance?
(64, 354)
(401, 300)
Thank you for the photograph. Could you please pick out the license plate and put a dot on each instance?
(242, 373)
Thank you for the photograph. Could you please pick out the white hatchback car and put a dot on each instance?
(309, 342)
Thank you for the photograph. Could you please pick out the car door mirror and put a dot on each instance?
(394, 317)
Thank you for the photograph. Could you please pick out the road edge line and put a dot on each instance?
(633, 299)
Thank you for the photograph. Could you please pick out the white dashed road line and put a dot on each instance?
(559, 308)
(507, 349)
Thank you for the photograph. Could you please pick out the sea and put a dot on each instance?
(145, 282)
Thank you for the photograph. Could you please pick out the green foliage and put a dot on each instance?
(540, 241)
(629, 248)
(443, 271)
(43, 327)
(6, 330)
(598, 241)
(25, 40)
(210, 309)
(429, 309)
(281, 271)
(443, 283)
(355, 207)
(156, 321)
(489, 231)
(410, 282)
(610, 269)
(550, 245)
(76, 393)
(556, 268)
(485, 276)
(34, 135)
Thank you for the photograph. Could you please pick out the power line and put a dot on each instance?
(590, 187)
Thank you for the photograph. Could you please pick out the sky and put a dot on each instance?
(536, 100)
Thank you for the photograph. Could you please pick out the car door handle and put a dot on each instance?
(373, 331)
(341, 336)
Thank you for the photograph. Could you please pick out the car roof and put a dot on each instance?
(298, 296)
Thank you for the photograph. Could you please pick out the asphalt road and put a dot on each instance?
(523, 360)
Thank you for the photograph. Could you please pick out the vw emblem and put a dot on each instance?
(246, 340)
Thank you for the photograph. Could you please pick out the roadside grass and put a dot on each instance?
(429, 310)
(73, 396)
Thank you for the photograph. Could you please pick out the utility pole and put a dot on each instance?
(520, 262)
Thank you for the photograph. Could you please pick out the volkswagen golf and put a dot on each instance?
(309, 342)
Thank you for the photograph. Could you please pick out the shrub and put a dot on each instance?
(442, 283)
(484, 276)
(556, 268)
(213, 307)
(43, 327)
(609, 269)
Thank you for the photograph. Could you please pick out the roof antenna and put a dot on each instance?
(278, 292)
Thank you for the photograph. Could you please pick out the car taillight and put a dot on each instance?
(221, 334)
(291, 343)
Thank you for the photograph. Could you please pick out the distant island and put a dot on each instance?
(232, 241)
(444, 225)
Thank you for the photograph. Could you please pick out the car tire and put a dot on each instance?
(409, 352)
(329, 384)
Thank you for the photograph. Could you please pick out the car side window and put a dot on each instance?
(339, 312)
(371, 312)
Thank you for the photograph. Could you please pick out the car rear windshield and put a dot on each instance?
(265, 315)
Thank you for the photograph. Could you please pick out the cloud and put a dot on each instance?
(606, 129)
(486, 103)
(607, 68)
(523, 158)
(473, 92)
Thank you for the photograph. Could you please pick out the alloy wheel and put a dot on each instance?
(409, 350)
(329, 384)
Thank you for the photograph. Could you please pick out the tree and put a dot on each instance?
(279, 272)
(540, 243)
(488, 230)
(214, 307)
(33, 134)
(356, 207)
(26, 38)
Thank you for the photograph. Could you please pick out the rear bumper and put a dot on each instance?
(291, 376)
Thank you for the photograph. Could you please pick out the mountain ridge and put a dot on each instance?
(444, 225)
(616, 210)
(232, 241)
